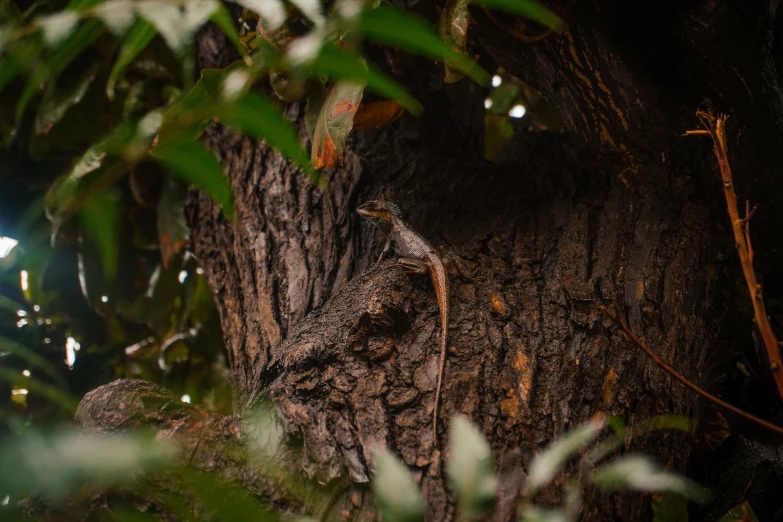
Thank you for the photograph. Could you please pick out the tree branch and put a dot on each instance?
(688, 384)
(715, 127)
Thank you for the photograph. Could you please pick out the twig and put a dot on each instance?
(715, 127)
(748, 214)
(513, 32)
(688, 384)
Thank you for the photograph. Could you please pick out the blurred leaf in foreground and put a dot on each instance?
(453, 28)
(335, 122)
(396, 495)
(740, 513)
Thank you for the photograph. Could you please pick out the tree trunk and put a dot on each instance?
(621, 207)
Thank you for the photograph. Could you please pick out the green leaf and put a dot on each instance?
(339, 64)
(471, 469)
(640, 473)
(117, 15)
(63, 399)
(529, 9)
(19, 58)
(670, 507)
(8, 304)
(255, 115)
(5, 32)
(547, 464)
(304, 49)
(126, 514)
(82, 5)
(664, 422)
(32, 358)
(453, 28)
(57, 26)
(67, 194)
(740, 513)
(335, 122)
(187, 119)
(311, 9)
(100, 218)
(512, 97)
(617, 424)
(57, 101)
(177, 22)
(622, 433)
(271, 12)
(315, 101)
(139, 37)
(393, 27)
(62, 462)
(290, 86)
(498, 131)
(396, 495)
(537, 514)
(172, 230)
(60, 57)
(222, 18)
(192, 163)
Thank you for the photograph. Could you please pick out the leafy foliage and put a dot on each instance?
(63, 465)
(100, 126)
(103, 124)
(471, 470)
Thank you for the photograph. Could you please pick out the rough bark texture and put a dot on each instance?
(620, 207)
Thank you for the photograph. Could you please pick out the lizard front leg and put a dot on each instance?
(385, 248)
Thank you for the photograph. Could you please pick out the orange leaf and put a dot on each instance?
(326, 155)
(334, 123)
(377, 114)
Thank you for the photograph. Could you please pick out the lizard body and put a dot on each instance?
(416, 256)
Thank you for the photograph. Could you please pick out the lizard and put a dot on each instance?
(419, 257)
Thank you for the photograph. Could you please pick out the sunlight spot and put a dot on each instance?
(5, 500)
(26, 373)
(36, 308)
(488, 103)
(21, 313)
(234, 84)
(104, 299)
(71, 347)
(200, 271)
(496, 81)
(350, 10)
(517, 111)
(150, 124)
(182, 276)
(23, 280)
(20, 391)
(186, 398)
(47, 340)
(21, 322)
(305, 48)
(6, 244)
(48, 321)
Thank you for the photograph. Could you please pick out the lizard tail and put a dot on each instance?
(444, 332)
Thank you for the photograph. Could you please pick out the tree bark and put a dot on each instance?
(621, 207)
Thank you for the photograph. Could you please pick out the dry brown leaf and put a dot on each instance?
(377, 114)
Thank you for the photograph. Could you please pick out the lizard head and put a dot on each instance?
(377, 209)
